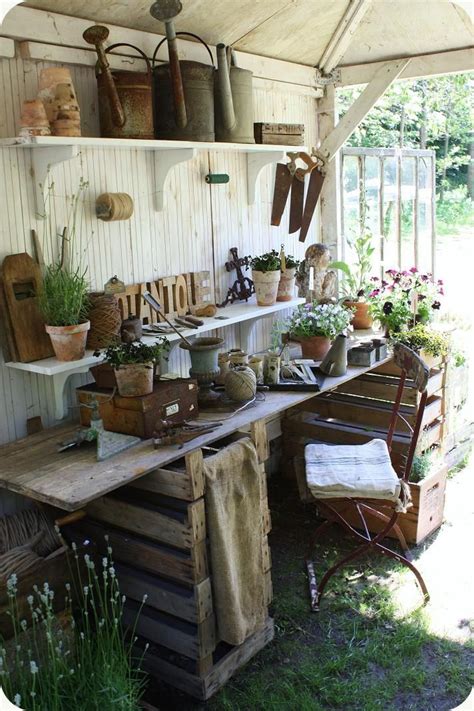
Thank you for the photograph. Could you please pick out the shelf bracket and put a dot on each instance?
(59, 383)
(164, 161)
(42, 159)
(255, 163)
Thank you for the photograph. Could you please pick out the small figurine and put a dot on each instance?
(315, 280)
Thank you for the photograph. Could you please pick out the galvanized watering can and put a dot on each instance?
(233, 99)
(125, 98)
(184, 90)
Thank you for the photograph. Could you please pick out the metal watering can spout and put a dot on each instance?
(335, 362)
(223, 78)
(166, 11)
(96, 35)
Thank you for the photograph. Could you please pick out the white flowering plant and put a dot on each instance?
(82, 660)
(327, 320)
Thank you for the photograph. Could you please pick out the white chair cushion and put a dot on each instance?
(351, 470)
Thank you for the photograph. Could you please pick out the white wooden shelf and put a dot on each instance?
(51, 150)
(244, 314)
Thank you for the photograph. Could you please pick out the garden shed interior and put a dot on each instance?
(172, 209)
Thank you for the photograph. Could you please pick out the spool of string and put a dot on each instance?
(111, 207)
(106, 319)
(240, 384)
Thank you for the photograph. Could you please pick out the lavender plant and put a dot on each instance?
(86, 665)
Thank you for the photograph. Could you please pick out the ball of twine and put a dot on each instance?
(105, 318)
(240, 384)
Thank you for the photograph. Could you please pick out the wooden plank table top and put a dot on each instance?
(33, 467)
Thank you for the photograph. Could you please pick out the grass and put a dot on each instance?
(358, 653)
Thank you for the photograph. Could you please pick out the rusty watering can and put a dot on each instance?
(184, 90)
(233, 99)
(125, 98)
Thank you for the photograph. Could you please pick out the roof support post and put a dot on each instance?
(330, 201)
(388, 73)
(343, 35)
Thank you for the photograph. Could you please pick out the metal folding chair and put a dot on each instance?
(320, 458)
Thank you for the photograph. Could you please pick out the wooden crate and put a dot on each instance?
(156, 528)
(424, 517)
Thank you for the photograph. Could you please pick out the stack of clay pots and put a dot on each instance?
(56, 110)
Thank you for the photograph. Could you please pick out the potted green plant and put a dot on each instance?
(357, 285)
(431, 345)
(286, 285)
(315, 325)
(404, 299)
(134, 364)
(63, 303)
(266, 277)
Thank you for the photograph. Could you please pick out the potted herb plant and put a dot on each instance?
(430, 345)
(63, 303)
(266, 277)
(357, 284)
(133, 364)
(315, 325)
(404, 299)
(286, 285)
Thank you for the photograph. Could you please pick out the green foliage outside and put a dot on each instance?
(433, 114)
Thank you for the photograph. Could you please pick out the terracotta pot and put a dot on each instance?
(134, 379)
(33, 120)
(266, 286)
(69, 342)
(362, 319)
(49, 80)
(286, 286)
(315, 347)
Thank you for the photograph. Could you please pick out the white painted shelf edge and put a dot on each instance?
(50, 150)
(246, 315)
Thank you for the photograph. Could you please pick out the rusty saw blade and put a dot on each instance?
(314, 188)
(297, 200)
(283, 180)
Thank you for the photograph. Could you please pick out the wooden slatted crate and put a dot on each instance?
(359, 411)
(156, 528)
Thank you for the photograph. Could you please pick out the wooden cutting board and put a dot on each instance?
(21, 277)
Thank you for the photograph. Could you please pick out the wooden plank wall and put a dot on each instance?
(195, 230)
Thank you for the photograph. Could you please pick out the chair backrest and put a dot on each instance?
(415, 370)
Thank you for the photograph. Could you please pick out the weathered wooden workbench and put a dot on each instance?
(150, 503)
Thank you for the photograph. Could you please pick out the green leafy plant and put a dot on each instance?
(63, 299)
(424, 338)
(327, 320)
(268, 262)
(85, 664)
(357, 285)
(421, 466)
(292, 262)
(135, 353)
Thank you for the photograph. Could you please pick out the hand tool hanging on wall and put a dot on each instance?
(297, 192)
(314, 189)
(283, 179)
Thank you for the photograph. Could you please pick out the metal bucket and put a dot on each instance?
(233, 102)
(198, 85)
(134, 91)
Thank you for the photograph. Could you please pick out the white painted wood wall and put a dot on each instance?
(194, 232)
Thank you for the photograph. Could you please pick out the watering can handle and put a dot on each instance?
(180, 34)
(132, 46)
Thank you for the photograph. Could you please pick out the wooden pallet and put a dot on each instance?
(359, 411)
(156, 528)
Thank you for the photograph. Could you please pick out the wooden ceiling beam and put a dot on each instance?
(386, 74)
(343, 35)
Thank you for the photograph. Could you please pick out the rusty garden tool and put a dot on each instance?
(297, 192)
(150, 299)
(314, 189)
(283, 180)
(243, 287)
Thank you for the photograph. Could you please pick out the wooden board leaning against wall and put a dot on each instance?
(193, 233)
